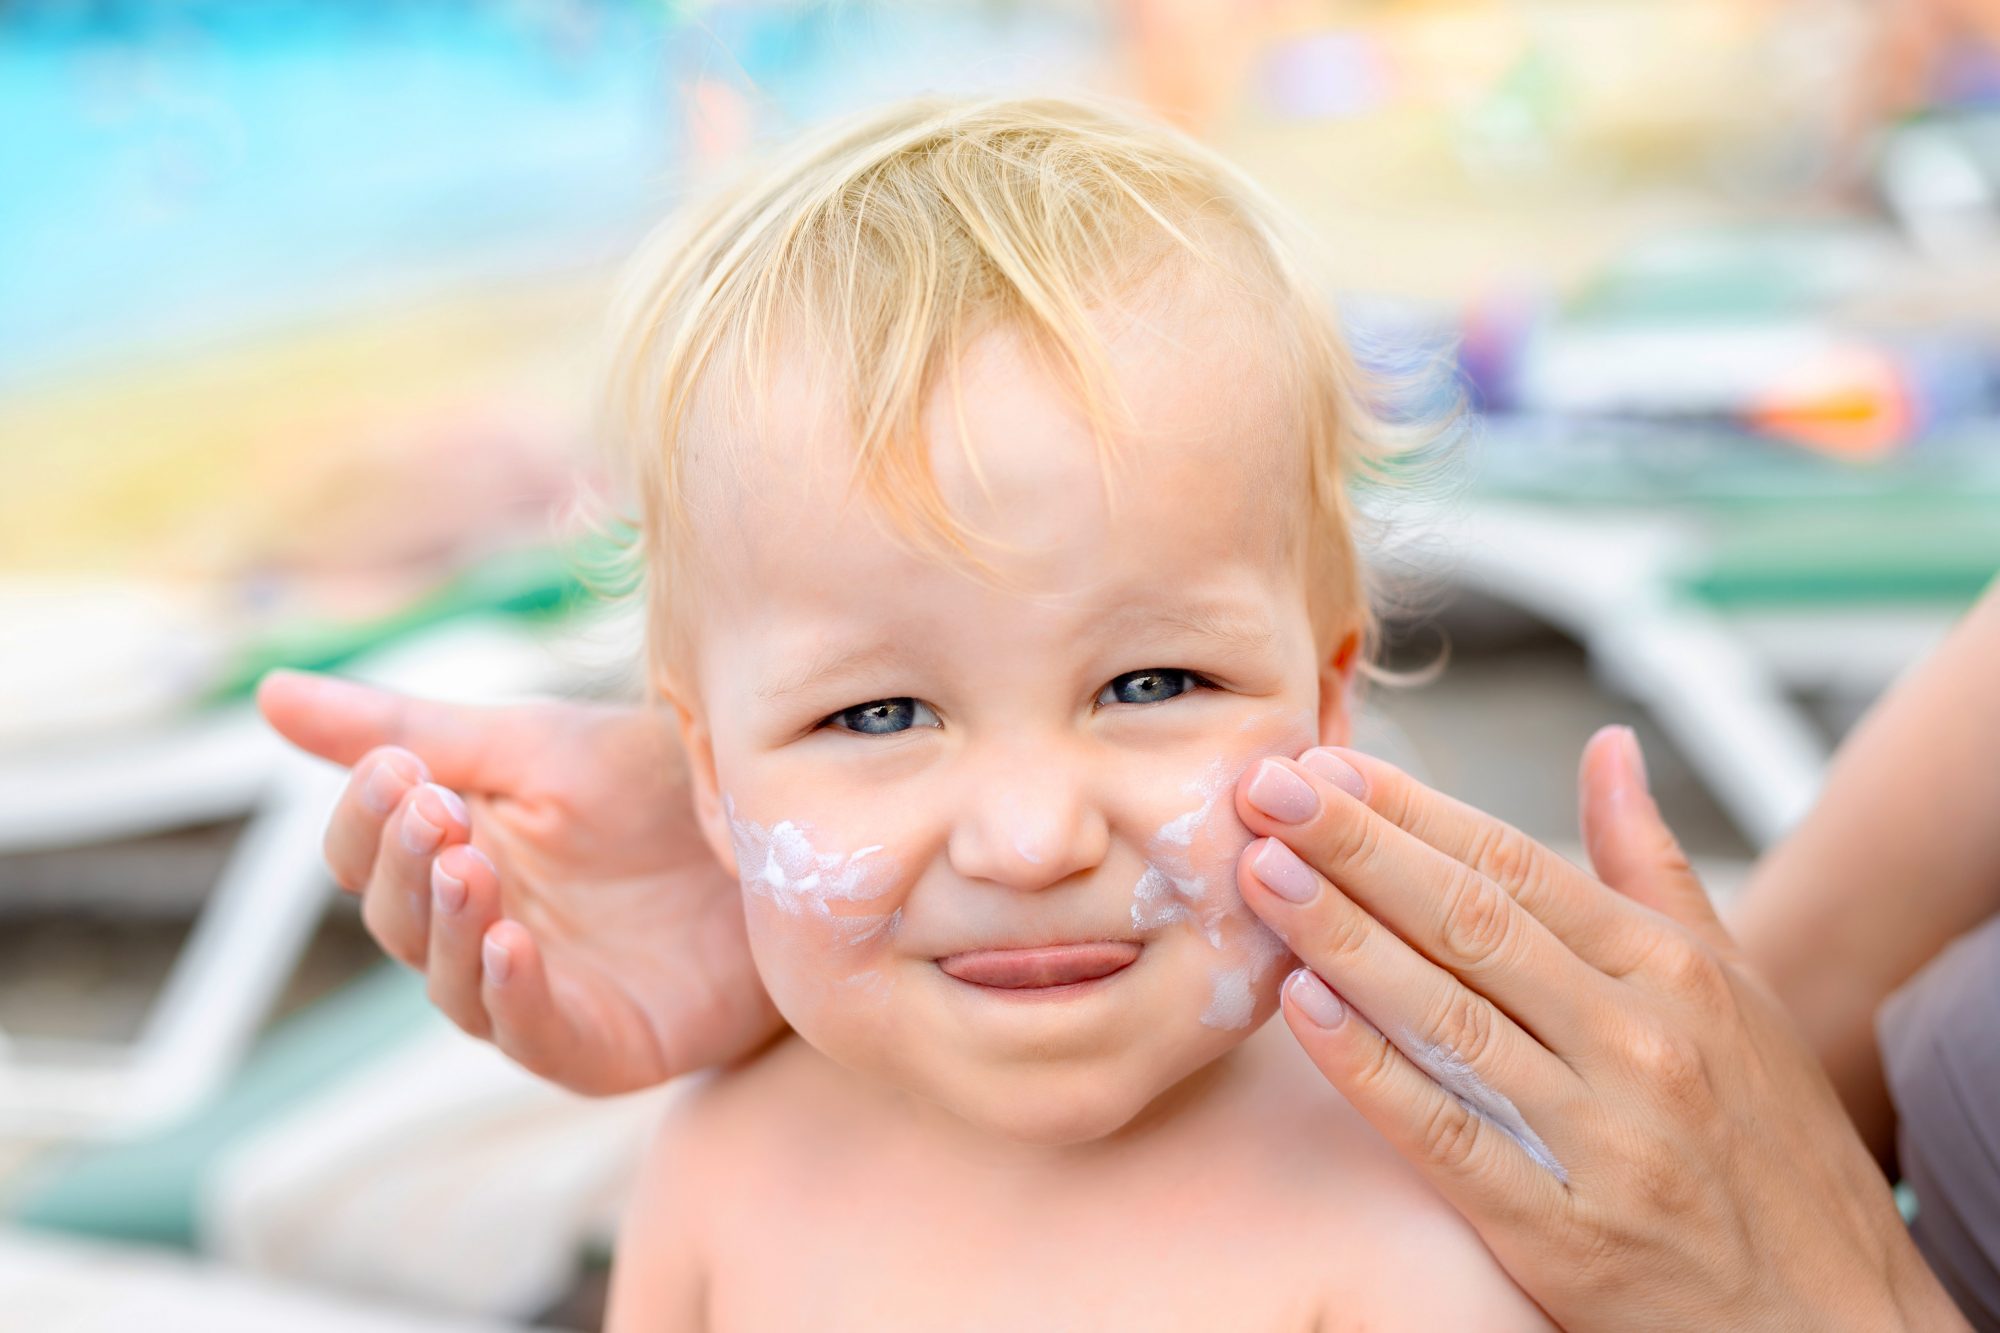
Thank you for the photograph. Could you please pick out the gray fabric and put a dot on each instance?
(1940, 1040)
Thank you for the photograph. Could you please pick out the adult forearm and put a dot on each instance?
(1900, 854)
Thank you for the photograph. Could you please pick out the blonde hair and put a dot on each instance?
(893, 237)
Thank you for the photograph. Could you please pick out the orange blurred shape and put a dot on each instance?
(1853, 404)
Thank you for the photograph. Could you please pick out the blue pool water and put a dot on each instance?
(183, 179)
(173, 173)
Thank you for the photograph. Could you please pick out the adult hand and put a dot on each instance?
(540, 865)
(1594, 1078)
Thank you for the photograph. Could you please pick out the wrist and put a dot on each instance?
(1920, 1300)
(1897, 1291)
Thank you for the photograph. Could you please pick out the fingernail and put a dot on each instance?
(498, 964)
(452, 804)
(447, 890)
(1336, 770)
(1635, 761)
(383, 789)
(1315, 1000)
(1283, 794)
(419, 834)
(1280, 869)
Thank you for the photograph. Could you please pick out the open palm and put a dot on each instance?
(595, 940)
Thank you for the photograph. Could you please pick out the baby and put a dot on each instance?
(992, 462)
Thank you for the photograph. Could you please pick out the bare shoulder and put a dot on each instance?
(714, 1129)
(659, 1267)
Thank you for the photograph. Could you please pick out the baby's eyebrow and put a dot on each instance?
(1237, 626)
(829, 664)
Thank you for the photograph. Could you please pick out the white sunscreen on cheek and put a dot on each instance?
(1456, 1077)
(1171, 890)
(1230, 1001)
(781, 865)
(1233, 1001)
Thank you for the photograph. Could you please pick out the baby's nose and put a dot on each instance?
(1028, 829)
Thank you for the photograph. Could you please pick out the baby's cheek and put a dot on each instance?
(821, 920)
(817, 967)
(1247, 970)
(1200, 851)
(1240, 954)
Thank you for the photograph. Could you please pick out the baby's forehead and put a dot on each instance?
(1215, 437)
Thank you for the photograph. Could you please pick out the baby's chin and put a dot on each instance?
(1070, 1104)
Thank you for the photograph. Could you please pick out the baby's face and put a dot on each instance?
(986, 836)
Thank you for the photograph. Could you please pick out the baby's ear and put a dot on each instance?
(699, 748)
(1336, 685)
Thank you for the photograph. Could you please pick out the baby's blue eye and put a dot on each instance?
(1150, 686)
(885, 716)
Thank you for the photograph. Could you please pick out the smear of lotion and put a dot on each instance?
(1456, 1077)
(781, 864)
(1232, 998)
(1171, 890)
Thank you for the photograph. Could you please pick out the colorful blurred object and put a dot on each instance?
(1751, 326)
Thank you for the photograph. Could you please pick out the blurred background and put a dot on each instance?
(299, 306)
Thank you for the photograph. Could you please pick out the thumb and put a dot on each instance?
(464, 746)
(1630, 846)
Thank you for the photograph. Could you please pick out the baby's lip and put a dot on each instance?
(1042, 965)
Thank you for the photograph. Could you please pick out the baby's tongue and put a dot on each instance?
(1048, 965)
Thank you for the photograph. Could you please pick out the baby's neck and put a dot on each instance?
(1190, 1109)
